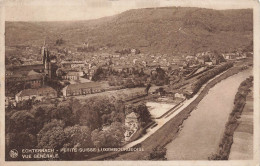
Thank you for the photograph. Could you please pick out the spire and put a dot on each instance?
(44, 43)
(44, 52)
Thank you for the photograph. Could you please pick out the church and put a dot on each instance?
(31, 76)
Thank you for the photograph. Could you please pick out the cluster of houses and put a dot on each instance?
(34, 76)
(237, 55)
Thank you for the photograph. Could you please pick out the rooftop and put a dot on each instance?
(29, 92)
(87, 85)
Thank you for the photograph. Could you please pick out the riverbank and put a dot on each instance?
(242, 147)
(170, 130)
(239, 124)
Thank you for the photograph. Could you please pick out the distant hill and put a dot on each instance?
(152, 30)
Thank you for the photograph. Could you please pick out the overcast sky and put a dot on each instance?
(61, 10)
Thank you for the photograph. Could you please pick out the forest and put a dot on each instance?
(93, 122)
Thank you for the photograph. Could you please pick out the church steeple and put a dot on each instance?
(46, 59)
(43, 53)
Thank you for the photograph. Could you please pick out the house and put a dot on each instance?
(38, 94)
(30, 79)
(8, 73)
(34, 79)
(249, 54)
(82, 89)
(189, 58)
(215, 61)
(230, 56)
(132, 125)
(9, 101)
(118, 69)
(73, 64)
(201, 60)
(209, 63)
(72, 75)
(179, 95)
(188, 92)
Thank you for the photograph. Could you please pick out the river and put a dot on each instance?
(203, 130)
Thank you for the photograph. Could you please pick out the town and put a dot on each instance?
(170, 83)
(56, 76)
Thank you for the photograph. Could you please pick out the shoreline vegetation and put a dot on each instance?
(230, 127)
(154, 145)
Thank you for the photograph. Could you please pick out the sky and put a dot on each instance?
(65, 10)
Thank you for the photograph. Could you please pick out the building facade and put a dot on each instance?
(37, 94)
(82, 89)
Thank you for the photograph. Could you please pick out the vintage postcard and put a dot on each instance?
(112, 82)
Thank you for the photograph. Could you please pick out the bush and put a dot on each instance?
(157, 154)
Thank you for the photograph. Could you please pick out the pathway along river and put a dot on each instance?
(203, 130)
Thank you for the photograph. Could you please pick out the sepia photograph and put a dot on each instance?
(129, 80)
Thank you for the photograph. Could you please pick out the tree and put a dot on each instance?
(19, 141)
(218, 56)
(64, 112)
(98, 138)
(52, 135)
(42, 114)
(78, 136)
(144, 113)
(142, 110)
(91, 112)
(89, 117)
(111, 137)
(13, 87)
(55, 84)
(24, 104)
(158, 153)
(159, 77)
(59, 42)
(98, 74)
(129, 83)
(22, 121)
(147, 88)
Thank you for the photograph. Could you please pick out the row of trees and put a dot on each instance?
(209, 75)
(129, 82)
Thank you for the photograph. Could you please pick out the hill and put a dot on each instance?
(152, 30)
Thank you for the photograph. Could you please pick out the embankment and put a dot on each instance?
(233, 121)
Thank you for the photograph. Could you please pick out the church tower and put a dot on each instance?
(46, 60)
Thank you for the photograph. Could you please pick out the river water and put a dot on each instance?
(202, 131)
